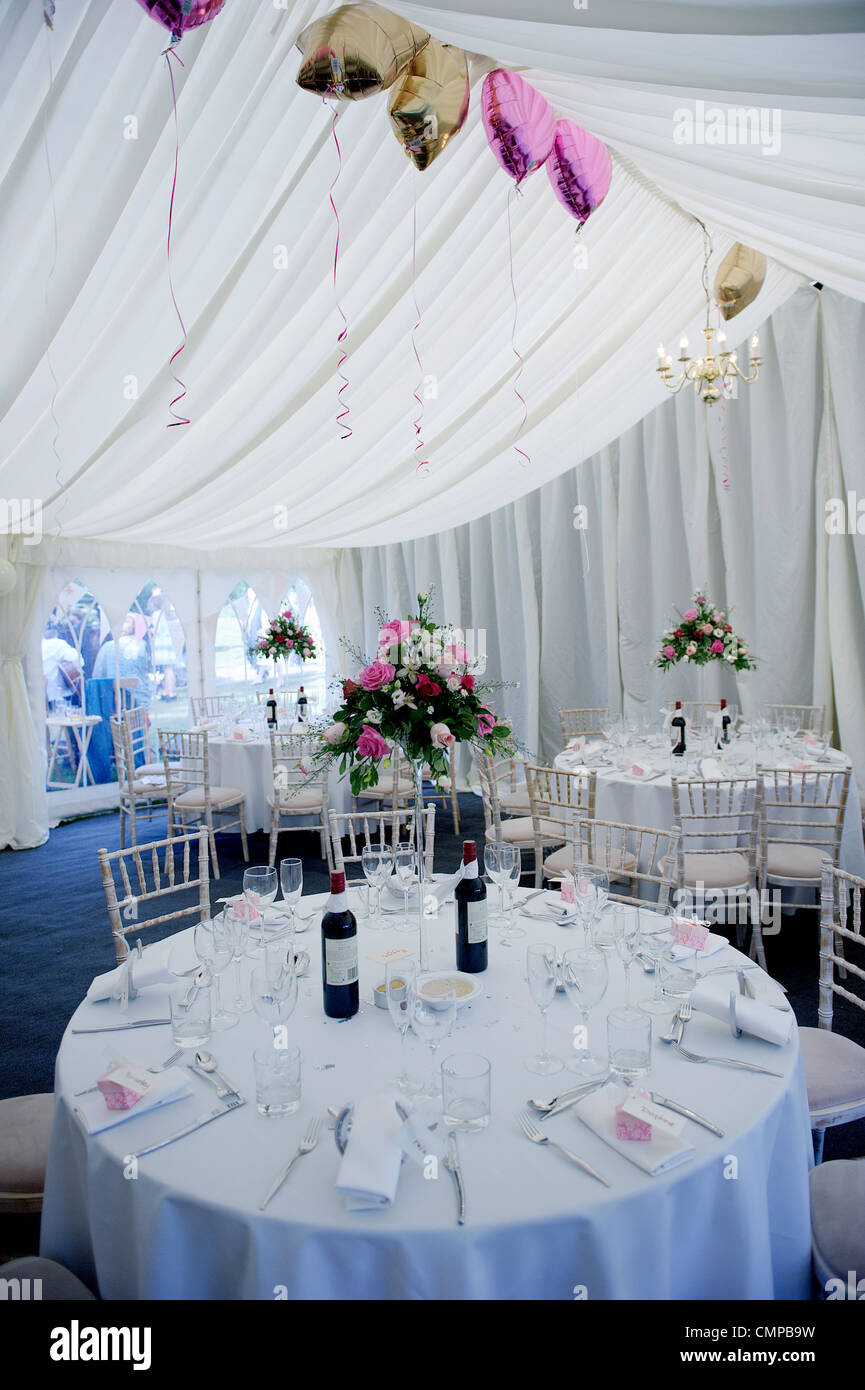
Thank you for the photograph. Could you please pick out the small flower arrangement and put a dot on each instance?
(702, 635)
(418, 693)
(284, 637)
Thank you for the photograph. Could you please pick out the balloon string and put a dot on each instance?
(520, 451)
(55, 385)
(344, 408)
(722, 421)
(179, 419)
(423, 465)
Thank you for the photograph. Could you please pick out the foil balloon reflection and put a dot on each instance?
(519, 123)
(740, 279)
(579, 169)
(429, 104)
(357, 51)
(179, 15)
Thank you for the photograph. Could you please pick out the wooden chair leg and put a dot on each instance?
(455, 808)
(274, 837)
(212, 838)
(539, 866)
(818, 1135)
(758, 951)
(243, 839)
(122, 826)
(839, 951)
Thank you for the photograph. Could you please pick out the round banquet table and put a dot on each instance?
(245, 764)
(621, 796)
(733, 1222)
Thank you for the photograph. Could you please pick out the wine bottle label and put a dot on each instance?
(477, 921)
(340, 960)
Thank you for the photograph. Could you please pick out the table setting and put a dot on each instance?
(413, 1128)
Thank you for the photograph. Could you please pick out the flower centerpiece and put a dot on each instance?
(420, 694)
(284, 637)
(701, 635)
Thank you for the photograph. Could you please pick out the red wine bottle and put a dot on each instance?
(271, 711)
(302, 703)
(726, 721)
(678, 724)
(339, 954)
(471, 896)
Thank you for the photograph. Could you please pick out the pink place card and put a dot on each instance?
(123, 1086)
(568, 889)
(691, 934)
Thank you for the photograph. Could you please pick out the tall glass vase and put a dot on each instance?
(417, 765)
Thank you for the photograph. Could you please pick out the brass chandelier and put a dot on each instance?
(717, 372)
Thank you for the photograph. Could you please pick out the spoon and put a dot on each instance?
(206, 1062)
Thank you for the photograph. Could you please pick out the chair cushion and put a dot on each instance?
(795, 861)
(150, 770)
(725, 870)
(384, 791)
(561, 861)
(309, 799)
(834, 1074)
(25, 1129)
(58, 1284)
(515, 803)
(838, 1218)
(219, 796)
(520, 831)
(149, 789)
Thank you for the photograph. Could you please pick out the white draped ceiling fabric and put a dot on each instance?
(85, 167)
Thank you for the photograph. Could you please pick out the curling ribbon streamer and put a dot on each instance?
(423, 465)
(722, 422)
(179, 419)
(520, 451)
(344, 408)
(55, 385)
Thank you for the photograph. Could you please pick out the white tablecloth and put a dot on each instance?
(732, 1223)
(622, 797)
(246, 764)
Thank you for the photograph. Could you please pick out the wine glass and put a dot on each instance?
(491, 868)
(542, 976)
(214, 949)
(432, 1017)
(404, 863)
(511, 875)
(585, 977)
(274, 994)
(654, 942)
(377, 864)
(626, 931)
(399, 986)
(260, 885)
(235, 926)
(291, 878)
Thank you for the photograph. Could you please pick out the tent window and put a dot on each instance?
(78, 735)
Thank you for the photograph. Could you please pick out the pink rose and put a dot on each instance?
(452, 657)
(335, 733)
(426, 688)
(397, 630)
(669, 651)
(441, 736)
(717, 647)
(371, 744)
(699, 598)
(690, 615)
(486, 723)
(707, 630)
(467, 682)
(377, 674)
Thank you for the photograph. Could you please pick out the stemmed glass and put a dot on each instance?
(274, 993)
(235, 926)
(542, 976)
(404, 863)
(291, 878)
(585, 977)
(626, 930)
(654, 944)
(432, 1017)
(400, 983)
(260, 885)
(377, 864)
(492, 869)
(510, 881)
(214, 949)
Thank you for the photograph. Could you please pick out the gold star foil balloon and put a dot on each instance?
(429, 104)
(739, 279)
(357, 51)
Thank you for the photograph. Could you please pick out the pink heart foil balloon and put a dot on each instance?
(580, 169)
(519, 123)
(179, 15)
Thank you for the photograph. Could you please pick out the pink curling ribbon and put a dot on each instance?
(423, 466)
(722, 422)
(520, 451)
(179, 419)
(344, 409)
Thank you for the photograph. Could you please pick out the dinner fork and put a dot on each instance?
(684, 1014)
(537, 1136)
(307, 1144)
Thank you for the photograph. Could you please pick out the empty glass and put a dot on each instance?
(399, 986)
(493, 869)
(432, 1017)
(654, 942)
(291, 879)
(274, 997)
(542, 977)
(629, 1042)
(405, 864)
(235, 925)
(277, 1080)
(585, 976)
(626, 933)
(466, 1091)
(377, 864)
(190, 1014)
(260, 886)
(214, 949)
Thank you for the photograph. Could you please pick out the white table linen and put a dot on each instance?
(245, 764)
(732, 1223)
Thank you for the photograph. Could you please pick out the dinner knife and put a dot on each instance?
(574, 1100)
(453, 1166)
(202, 1120)
(683, 1110)
(121, 1027)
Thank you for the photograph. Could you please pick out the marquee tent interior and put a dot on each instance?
(260, 487)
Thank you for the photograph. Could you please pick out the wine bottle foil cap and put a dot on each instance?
(337, 883)
(470, 851)
(678, 704)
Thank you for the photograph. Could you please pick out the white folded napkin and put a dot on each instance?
(167, 1086)
(437, 890)
(753, 1016)
(656, 1155)
(369, 1172)
(710, 767)
(151, 969)
(583, 750)
(640, 767)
